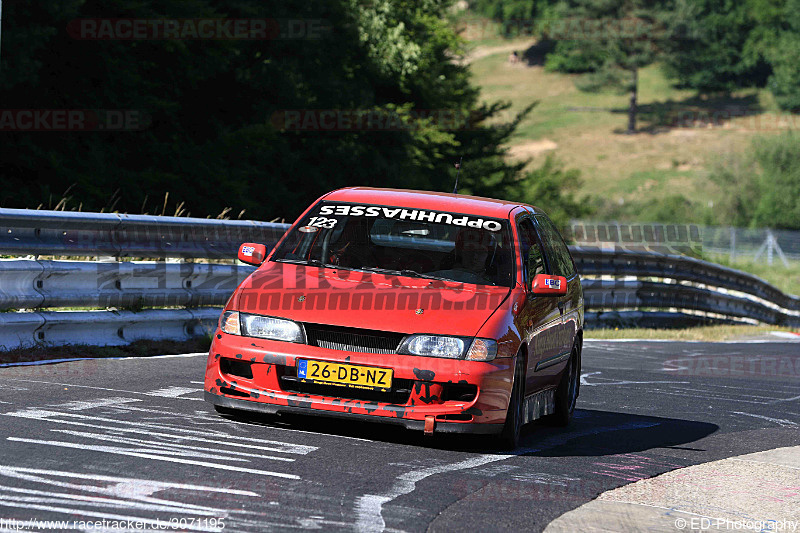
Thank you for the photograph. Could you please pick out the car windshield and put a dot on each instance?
(396, 240)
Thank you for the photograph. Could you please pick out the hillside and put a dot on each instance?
(660, 174)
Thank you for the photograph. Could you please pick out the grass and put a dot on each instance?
(703, 333)
(622, 172)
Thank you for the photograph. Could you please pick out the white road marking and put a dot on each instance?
(369, 507)
(148, 427)
(93, 404)
(176, 447)
(36, 474)
(124, 451)
(70, 385)
(96, 501)
(780, 421)
(175, 392)
(781, 400)
(611, 382)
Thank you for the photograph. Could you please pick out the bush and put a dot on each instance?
(761, 188)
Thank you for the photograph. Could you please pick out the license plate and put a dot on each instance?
(353, 376)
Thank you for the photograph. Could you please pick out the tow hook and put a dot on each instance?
(430, 422)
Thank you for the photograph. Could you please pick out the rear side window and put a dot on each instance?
(556, 249)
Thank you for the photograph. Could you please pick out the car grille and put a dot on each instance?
(352, 339)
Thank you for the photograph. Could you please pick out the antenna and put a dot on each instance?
(458, 171)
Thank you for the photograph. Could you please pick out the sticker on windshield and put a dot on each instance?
(398, 213)
(322, 222)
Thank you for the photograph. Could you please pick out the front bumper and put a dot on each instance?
(265, 408)
(429, 384)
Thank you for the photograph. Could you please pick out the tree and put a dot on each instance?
(215, 135)
(612, 40)
(705, 49)
(775, 40)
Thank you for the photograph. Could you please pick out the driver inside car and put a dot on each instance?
(474, 254)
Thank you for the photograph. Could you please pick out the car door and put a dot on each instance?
(561, 264)
(540, 318)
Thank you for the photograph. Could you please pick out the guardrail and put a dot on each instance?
(29, 283)
(102, 328)
(621, 288)
(68, 233)
(617, 279)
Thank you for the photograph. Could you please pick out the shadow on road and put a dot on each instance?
(591, 433)
(597, 433)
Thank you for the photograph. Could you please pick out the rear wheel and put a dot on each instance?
(509, 438)
(567, 392)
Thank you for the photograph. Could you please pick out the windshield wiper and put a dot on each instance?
(415, 274)
(310, 262)
(318, 263)
(404, 272)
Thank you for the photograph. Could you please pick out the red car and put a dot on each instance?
(439, 312)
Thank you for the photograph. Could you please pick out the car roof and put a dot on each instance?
(435, 201)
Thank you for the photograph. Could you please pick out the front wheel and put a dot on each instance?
(567, 392)
(509, 438)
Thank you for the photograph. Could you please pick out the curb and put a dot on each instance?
(753, 492)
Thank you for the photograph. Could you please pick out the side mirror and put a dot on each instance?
(545, 285)
(252, 254)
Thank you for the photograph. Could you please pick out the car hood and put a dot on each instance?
(367, 300)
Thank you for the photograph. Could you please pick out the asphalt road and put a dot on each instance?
(131, 439)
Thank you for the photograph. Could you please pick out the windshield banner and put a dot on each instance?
(418, 215)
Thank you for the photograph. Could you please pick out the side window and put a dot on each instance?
(557, 251)
(531, 252)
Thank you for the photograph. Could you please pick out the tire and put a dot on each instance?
(567, 392)
(509, 437)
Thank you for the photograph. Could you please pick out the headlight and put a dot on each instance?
(434, 346)
(482, 350)
(264, 327)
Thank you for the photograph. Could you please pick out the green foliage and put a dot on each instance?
(571, 57)
(779, 202)
(215, 136)
(775, 40)
(722, 46)
(706, 43)
(762, 187)
(554, 188)
(518, 17)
